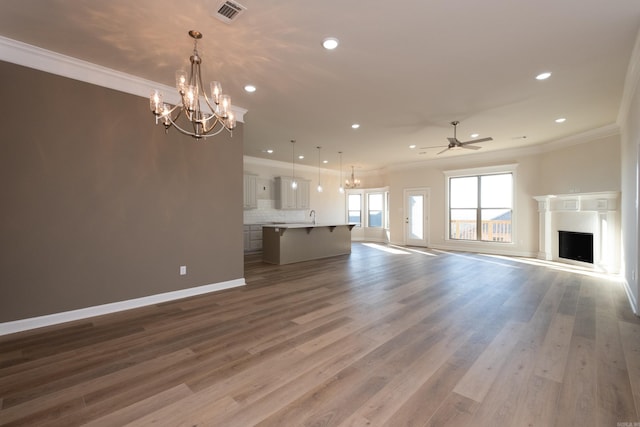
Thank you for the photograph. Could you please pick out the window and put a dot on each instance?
(375, 204)
(369, 208)
(481, 207)
(354, 208)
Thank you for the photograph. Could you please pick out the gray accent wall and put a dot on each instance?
(99, 205)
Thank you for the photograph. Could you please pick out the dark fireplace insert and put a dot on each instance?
(576, 246)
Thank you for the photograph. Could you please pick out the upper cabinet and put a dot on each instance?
(287, 197)
(250, 199)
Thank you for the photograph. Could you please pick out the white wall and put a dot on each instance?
(630, 130)
(582, 167)
(431, 175)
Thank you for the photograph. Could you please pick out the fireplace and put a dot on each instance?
(576, 246)
(580, 228)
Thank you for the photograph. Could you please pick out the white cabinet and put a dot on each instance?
(302, 194)
(252, 237)
(287, 197)
(250, 200)
(247, 238)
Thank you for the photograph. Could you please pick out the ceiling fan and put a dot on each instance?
(456, 143)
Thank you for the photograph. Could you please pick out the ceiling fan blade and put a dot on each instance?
(475, 141)
(433, 146)
(440, 152)
(469, 147)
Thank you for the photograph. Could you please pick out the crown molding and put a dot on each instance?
(259, 161)
(51, 62)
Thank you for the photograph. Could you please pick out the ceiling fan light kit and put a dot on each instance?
(455, 143)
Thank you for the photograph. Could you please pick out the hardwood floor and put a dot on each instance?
(384, 337)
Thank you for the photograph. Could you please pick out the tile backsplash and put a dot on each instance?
(267, 213)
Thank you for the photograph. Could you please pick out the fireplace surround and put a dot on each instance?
(597, 214)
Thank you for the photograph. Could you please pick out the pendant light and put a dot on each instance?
(319, 188)
(341, 188)
(294, 183)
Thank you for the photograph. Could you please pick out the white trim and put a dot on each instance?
(632, 299)
(481, 171)
(37, 58)
(98, 310)
(259, 161)
(426, 220)
(472, 246)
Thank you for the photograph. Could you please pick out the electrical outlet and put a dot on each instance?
(183, 270)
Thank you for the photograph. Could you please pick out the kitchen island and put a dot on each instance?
(289, 243)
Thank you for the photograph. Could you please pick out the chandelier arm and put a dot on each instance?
(193, 134)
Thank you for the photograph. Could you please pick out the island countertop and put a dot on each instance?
(308, 225)
(295, 242)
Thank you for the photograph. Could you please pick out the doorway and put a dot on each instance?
(416, 217)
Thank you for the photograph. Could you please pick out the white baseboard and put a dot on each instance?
(632, 299)
(98, 310)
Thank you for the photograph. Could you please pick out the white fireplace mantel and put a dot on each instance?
(596, 213)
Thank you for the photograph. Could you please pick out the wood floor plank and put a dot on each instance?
(49, 396)
(555, 348)
(404, 337)
(615, 398)
(138, 410)
(539, 405)
(476, 382)
(577, 401)
(630, 337)
(384, 404)
(456, 410)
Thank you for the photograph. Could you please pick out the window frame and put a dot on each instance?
(364, 206)
(478, 172)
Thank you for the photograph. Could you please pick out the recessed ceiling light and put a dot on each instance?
(475, 135)
(250, 88)
(355, 126)
(561, 120)
(270, 151)
(412, 146)
(330, 43)
(543, 76)
(301, 157)
(325, 161)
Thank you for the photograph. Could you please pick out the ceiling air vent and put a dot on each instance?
(229, 11)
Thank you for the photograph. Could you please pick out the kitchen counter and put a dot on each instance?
(289, 243)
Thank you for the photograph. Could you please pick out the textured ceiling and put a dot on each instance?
(404, 69)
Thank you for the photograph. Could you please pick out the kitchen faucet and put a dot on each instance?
(313, 215)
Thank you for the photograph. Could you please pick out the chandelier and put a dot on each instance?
(201, 123)
(353, 182)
